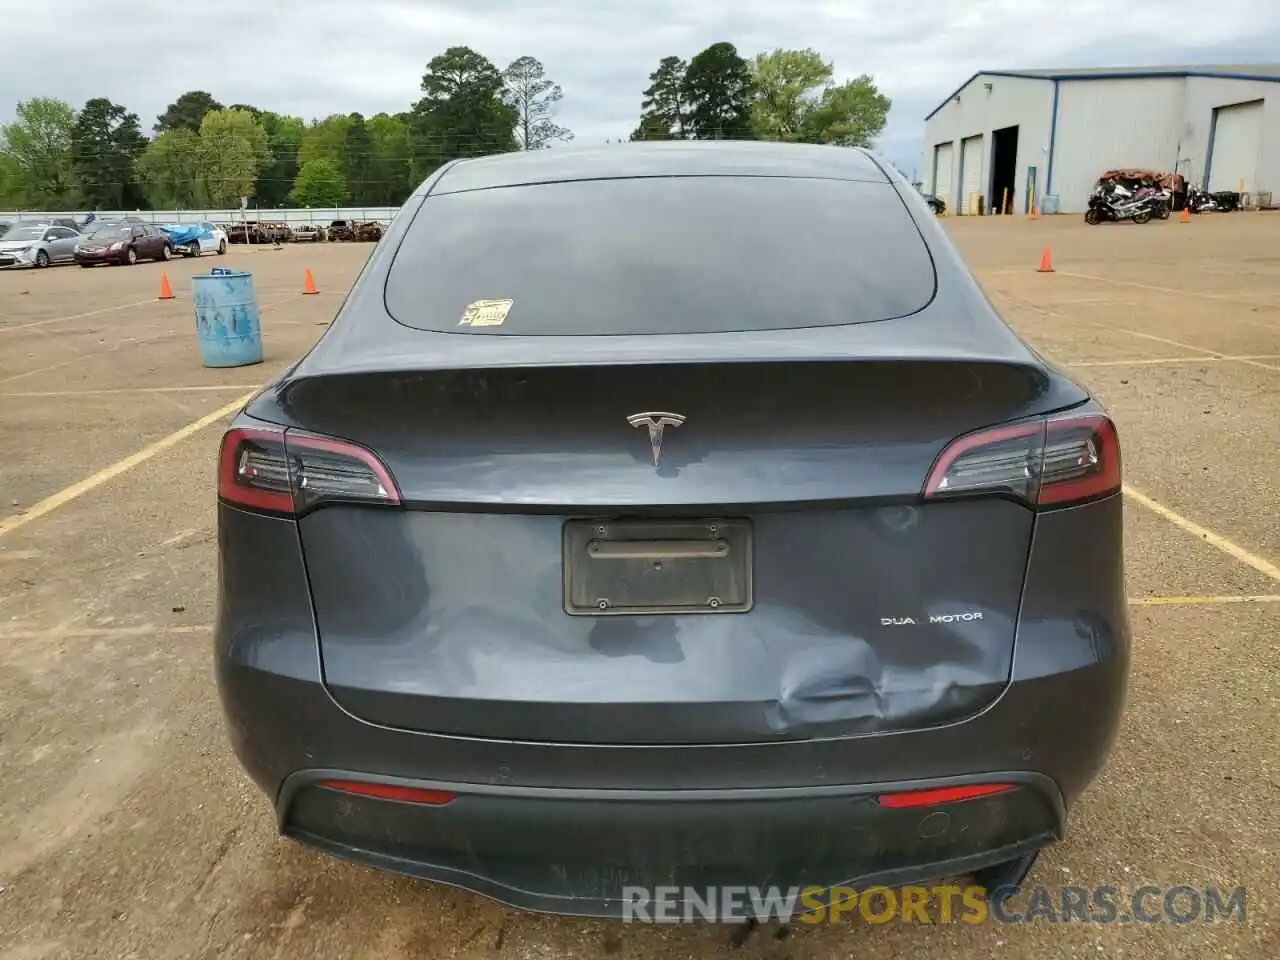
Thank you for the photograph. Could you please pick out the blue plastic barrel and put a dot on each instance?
(228, 324)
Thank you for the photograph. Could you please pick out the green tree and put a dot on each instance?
(12, 186)
(357, 160)
(232, 149)
(389, 172)
(325, 138)
(187, 112)
(533, 97)
(284, 140)
(850, 115)
(461, 113)
(319, 184)
(662, 112)
(789, 85)
(652, 128)
(105, 143)
(38, 144)
(171, 172)
(717, 88)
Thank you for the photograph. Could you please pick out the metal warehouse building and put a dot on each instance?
(1025, 134)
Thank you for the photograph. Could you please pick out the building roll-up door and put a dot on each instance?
(1237, 139)
(970, 174)
(943, 165)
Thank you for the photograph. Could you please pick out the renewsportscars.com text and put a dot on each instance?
(1147, 904)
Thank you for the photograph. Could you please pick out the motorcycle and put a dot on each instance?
(1160, 200)
(1224, 201)
(1116, 205)
(1200, 202)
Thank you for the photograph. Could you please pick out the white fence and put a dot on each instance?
(291, 215)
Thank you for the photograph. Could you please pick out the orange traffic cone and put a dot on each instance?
(1186, 215)
(166, 291)
(310, 287)
(1046, 261)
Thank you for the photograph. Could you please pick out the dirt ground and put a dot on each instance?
(128, 831)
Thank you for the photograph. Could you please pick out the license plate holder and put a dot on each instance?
(657, 567)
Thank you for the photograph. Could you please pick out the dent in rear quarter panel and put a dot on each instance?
(265, 644)
(1071, 656)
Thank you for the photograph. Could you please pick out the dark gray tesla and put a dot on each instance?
(671, 514)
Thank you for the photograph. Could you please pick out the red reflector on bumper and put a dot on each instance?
(387, 791)
(930, 798)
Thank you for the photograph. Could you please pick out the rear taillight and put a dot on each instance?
(1047, 463)
(389, 791)
(940, 795)
(288, 472)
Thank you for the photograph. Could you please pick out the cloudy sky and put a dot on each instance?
(311, 58)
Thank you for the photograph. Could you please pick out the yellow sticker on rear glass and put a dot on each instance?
(486, 313)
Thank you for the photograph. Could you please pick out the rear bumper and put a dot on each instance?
(599, 853)
(563, 828)
(557, 826)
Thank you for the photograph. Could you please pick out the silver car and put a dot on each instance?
(37, 245)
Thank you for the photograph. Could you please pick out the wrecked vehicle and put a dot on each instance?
(308, 233)
(583, 556)
(355, 230)
(195, 239)
(341, 230)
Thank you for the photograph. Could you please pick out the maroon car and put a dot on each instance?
(125, 243)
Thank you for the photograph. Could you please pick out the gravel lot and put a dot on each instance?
(128, 830)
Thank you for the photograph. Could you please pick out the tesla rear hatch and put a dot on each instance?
(598, 551)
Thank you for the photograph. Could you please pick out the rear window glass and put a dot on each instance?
(658, 256)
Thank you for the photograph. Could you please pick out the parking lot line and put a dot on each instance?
(86, 356)
(1264, 567)
(1216, 355)
(65, 496)
(49, 369)
(194, 388)
(76, 633)
(1201, 601)
(1158, 360)
(1175, 291)
(1190, 346)
(76, 316)
(266, 302)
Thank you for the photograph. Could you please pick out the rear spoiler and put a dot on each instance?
(365, 339)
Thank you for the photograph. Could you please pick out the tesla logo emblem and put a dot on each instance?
(656, 422)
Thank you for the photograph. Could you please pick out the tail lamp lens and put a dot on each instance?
(1047, 463)
(287, 472)
(1081, 460)
(389, 791)
(941, 795)
(324, 469)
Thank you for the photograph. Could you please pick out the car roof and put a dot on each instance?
(683, 158)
